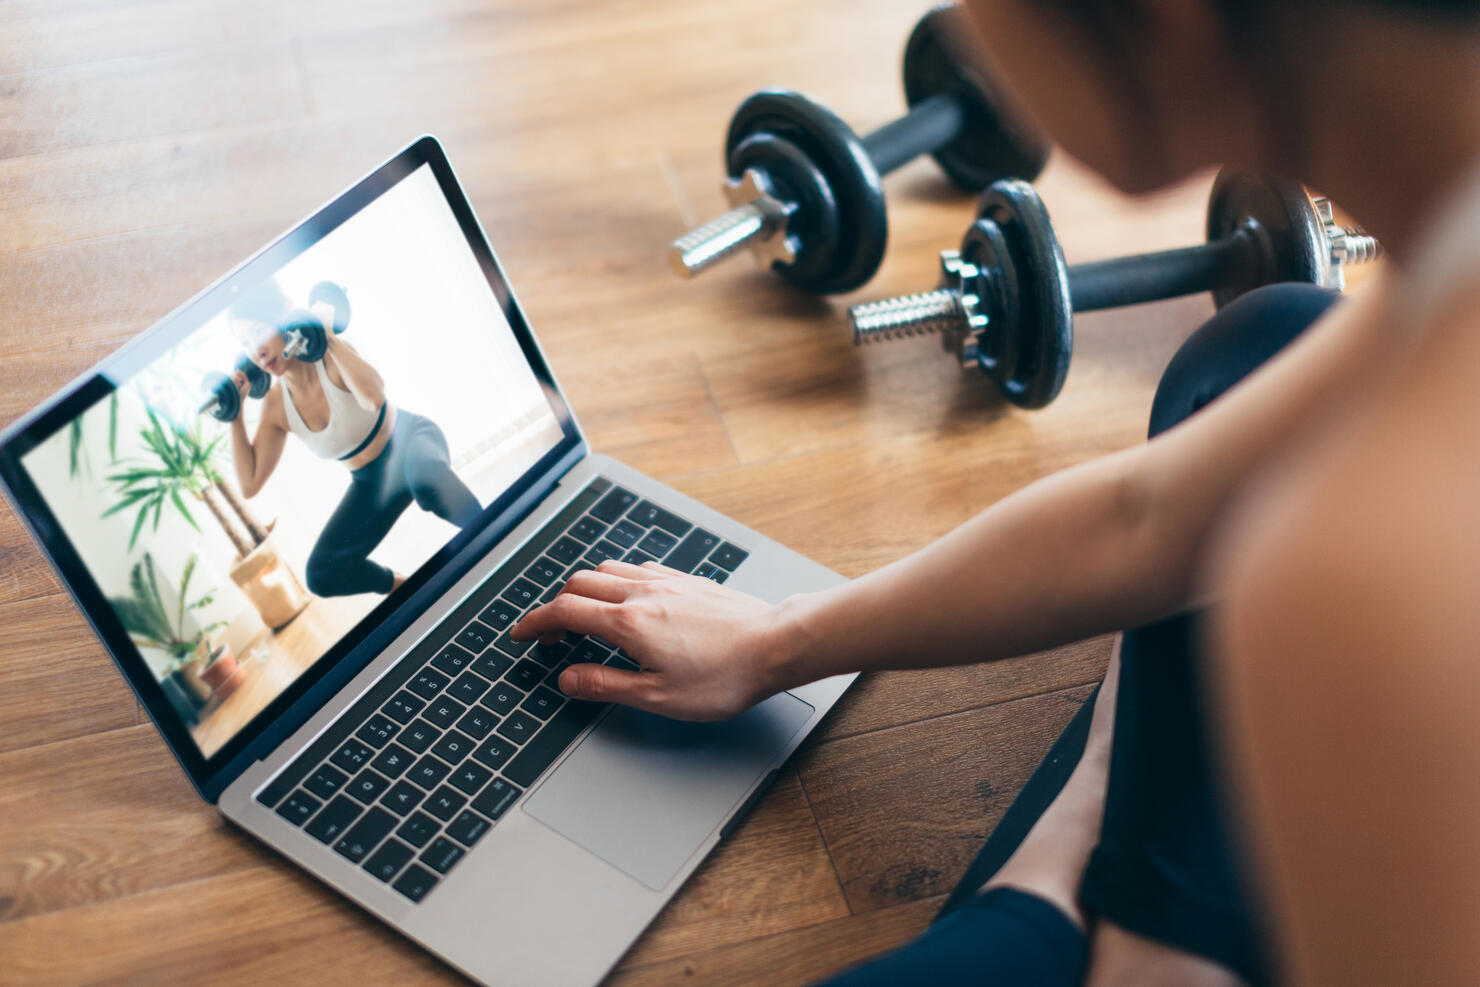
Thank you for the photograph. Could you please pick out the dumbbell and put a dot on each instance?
(1007, 300)
(222, 399)
(805, 189)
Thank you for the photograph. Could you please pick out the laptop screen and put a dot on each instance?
(308, 448)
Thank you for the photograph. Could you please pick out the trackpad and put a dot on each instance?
(642, 792)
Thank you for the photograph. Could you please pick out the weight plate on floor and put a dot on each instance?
(1282, 221)
(992, 143)
(839, 156)
(1044, 319)
(814, 228)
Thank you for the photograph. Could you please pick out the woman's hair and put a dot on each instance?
(264, 303)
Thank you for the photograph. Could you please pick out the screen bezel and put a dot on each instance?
(378, 628)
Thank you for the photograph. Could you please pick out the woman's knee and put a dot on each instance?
(1232, 344)
(321, 572)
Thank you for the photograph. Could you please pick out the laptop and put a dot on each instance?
(329, 658)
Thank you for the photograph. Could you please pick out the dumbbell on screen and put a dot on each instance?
(305, 339)
(806, 191)
(1007, 300)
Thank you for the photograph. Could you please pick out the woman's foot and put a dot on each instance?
(1051, 860)
(396, 582)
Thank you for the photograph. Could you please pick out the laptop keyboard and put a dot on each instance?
(426, 762)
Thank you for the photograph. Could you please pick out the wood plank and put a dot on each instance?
(59, 682)
(799, 956)
(905, 810)
(772, 875)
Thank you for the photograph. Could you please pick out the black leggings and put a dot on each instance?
(414, 466)
(1168, 866)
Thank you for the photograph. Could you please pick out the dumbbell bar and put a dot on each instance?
(306, 340)
(806, 191)
(1007, 300)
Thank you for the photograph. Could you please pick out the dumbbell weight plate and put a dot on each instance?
(259, 381)
(992, 144)
(838, 154)
(1043, 323)
(1284, 225)
(228, 399)
(815, 223)
(315, 340)
(333, 294)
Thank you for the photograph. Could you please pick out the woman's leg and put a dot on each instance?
(1167, 880)
(339, 564)
(427, 471)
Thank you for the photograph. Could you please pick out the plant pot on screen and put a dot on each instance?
(270, 584)
(222, 673)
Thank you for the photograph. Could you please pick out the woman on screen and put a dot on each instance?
(337, 407)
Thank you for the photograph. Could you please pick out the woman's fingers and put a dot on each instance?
(603, 684)
(604, 586)
(627, 570)
(567, 612)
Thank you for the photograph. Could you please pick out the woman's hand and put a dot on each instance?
(707, 652)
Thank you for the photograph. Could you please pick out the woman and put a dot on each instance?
(337, 407)
(1319, 495)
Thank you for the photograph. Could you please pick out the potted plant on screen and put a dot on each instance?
(194, 670)
(180, 462)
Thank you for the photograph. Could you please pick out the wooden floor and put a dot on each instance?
(147, 145)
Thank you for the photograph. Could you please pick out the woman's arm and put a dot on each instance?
(358, 377)
(1102, 546)
(256, 457)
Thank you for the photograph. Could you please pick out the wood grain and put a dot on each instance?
(147, 146)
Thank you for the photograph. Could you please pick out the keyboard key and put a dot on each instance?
(299, 807)
(566, 550)
(691, 551)
(552, 680)
(468, 688)
(469, 777)
(509, 646)
(550, 655)
(542, 702)
(378, 730)
(502, 698)
(619, 660)
(428, 682)
(326, 781)
(544, 571)
(368, 785)
(393, 760)
(728, 557)
(556, 736)
(403, 797)
(477, 722)
(491, 665)
(476, 636)
(403, 707)
(445, 802)
(522, 593)
(362, 837)
(386, 862)
(499, 614)
(649, 514)
(444, 712)
(589, 652)
(525, 675)
(587, 529)
(658, 543)
(337, 816)
(494, 752)
(453, 659)
(552, 591)
(496, 798)
(637, 557)
(352, 756)
(419, 736)
(453, 747)
(580, 566)
(614, 504)
(519, 727)
(468, 827)
(416, 882)
(419, 829)
(441, 855)
(625, 533)
(428, 772)
(711, 571)
(602, 551)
